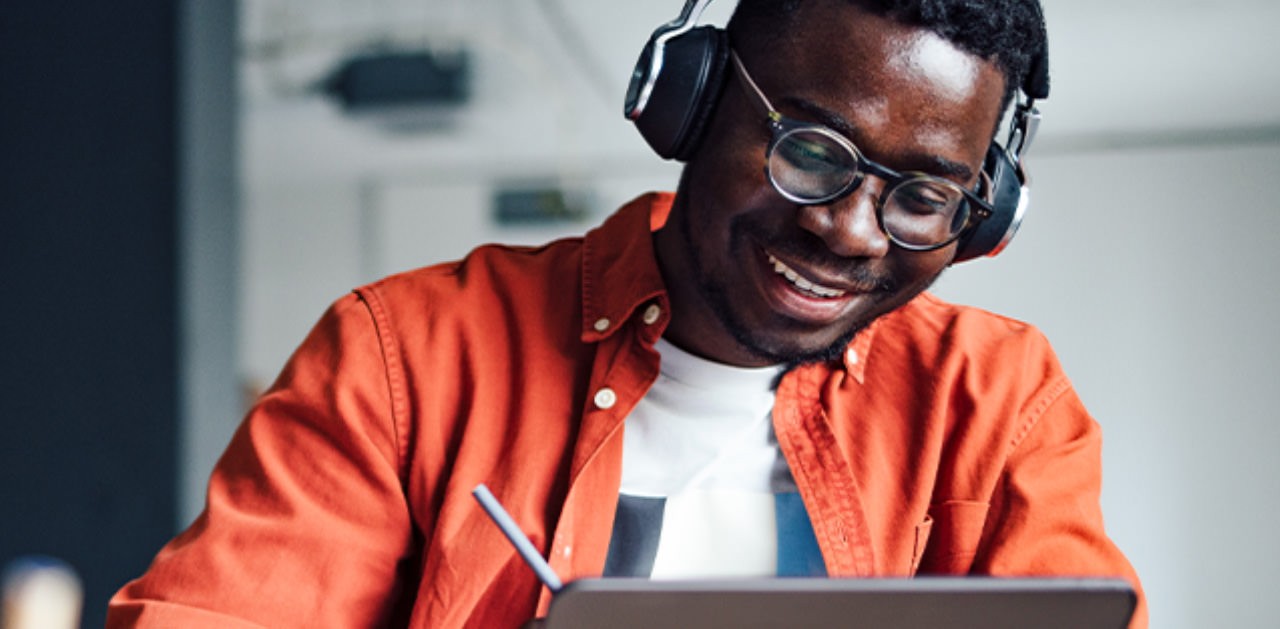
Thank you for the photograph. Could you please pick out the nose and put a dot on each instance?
(849, 226)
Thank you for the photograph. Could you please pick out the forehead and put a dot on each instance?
(894, 84)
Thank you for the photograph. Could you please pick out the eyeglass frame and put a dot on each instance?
(976, 207)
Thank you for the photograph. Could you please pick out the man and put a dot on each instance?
(757, 386)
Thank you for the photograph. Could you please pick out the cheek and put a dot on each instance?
(729, 163)
(917, 270)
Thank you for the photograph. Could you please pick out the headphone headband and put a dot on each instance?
(1036, 83)
(649, 67)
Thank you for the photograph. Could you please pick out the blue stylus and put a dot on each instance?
(517, 537)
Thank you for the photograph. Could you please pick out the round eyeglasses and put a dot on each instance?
(811, 164)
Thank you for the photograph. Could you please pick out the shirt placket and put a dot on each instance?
(624, 368)
(823, 476)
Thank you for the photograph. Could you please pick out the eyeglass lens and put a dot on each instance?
(810, 166)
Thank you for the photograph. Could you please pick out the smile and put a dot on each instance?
(802, 283)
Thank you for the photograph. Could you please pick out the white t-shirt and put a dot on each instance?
(705, 491)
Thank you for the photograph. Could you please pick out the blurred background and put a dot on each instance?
(185, 186)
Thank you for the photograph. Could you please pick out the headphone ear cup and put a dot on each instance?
(990, 236)
(685, 92)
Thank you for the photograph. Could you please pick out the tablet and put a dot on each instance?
(921, 603)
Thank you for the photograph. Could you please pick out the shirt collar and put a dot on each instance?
(620, 274)
(619, 268)
(856, 352)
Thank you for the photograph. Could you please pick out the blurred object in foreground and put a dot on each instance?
(41, 593)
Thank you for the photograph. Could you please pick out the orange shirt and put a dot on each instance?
(947, 442)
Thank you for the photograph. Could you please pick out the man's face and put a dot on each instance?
(756, 279)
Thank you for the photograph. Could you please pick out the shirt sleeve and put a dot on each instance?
(306, 522)
(1045, 516)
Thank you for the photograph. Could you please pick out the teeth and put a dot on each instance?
(802, 283)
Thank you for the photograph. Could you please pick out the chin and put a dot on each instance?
(792, 348)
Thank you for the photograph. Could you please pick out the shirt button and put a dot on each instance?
(851, 356)
(602, 324)
(606, 398)
(651, 314)
(568, 551)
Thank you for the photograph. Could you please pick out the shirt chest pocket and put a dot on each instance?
(947, 540)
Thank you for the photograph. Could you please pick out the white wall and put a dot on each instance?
(1151, 272)
(1146, 258)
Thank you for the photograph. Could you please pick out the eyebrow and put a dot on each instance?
(930, 163)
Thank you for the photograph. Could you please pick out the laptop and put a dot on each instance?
(803, 603)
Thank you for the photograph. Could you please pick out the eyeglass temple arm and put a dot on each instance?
(984, 195)
(759, 100)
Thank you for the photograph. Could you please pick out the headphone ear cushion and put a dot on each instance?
(989, 236)
(685, 92)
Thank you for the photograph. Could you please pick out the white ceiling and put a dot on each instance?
(550, 89)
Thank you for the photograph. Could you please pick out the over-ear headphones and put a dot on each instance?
(677, 82)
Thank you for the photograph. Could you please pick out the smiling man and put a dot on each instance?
(745, 378)
(759, 278)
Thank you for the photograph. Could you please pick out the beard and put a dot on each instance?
(766, 348)
(775, 348)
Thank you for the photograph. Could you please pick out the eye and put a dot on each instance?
(813, 152)
(925, 198)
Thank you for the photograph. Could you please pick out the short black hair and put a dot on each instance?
(1009, 33)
